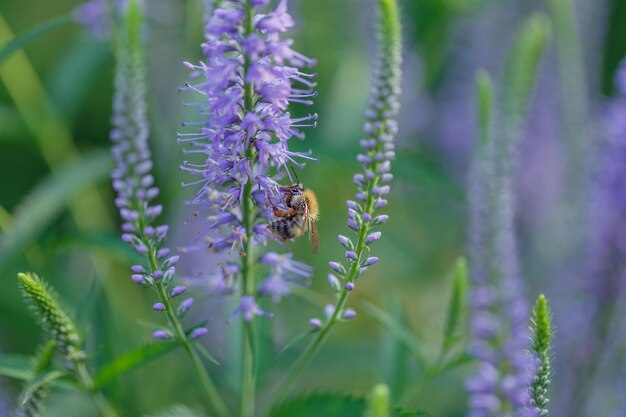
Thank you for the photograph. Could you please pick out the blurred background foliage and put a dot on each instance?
(57, 217)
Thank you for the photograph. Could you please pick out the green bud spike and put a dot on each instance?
(542, 336)
(52, 318)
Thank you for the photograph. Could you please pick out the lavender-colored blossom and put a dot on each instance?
(588, 334)
(315, 323)
(247, 80)
(248, 308)
(98, 16)
(161, 335)
(499, 314)
(198, 332)
(133, 181)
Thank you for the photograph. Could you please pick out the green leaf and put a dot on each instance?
(38, 383)
(397, 329)
(102, 242)
(131, 360)
(204, 352)
(19, 41)
(332, 405)
(297, 338)
(393, 353)
(327, 405)
(49, 197)
(16, 366)
(456, 308)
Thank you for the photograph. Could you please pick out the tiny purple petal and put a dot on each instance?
(178, 290)
(371, 261)
(373, 237)
(158, 307)
(345, 242)
(349, 286)
(381, 219)
(199, 332)
(335, 266)
(161, 335)
(315, 323)
(351, 255)
(138, 278)
(349, 314)
(333, 281)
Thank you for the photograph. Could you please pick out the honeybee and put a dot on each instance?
(301, 215)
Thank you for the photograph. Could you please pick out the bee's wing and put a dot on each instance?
(313, 236)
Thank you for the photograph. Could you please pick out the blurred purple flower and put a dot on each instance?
(248, 308)
(588, 335)
(246, 82)
(498, 311)
(98, 16)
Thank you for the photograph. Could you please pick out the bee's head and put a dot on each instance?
(294, 189)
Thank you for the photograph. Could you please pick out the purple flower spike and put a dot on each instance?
(199, 332)
(377, 148)
(158, 307)
(161, 335)
(243, 88)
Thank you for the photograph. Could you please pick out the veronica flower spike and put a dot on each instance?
(136, 192)
(245, 83)
(364, 214)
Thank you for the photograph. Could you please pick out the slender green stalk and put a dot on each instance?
(212, 395)
(103, 405)
(387, 74)
(314, 346)
(248, 383)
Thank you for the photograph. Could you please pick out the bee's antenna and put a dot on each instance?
(295, 175)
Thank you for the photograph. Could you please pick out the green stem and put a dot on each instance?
(248, 383)
(103, 405)
(315, 345)
(212, 395)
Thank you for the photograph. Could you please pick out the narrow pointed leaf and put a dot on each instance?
(47, 200)
(22, 39)
(132, 360)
